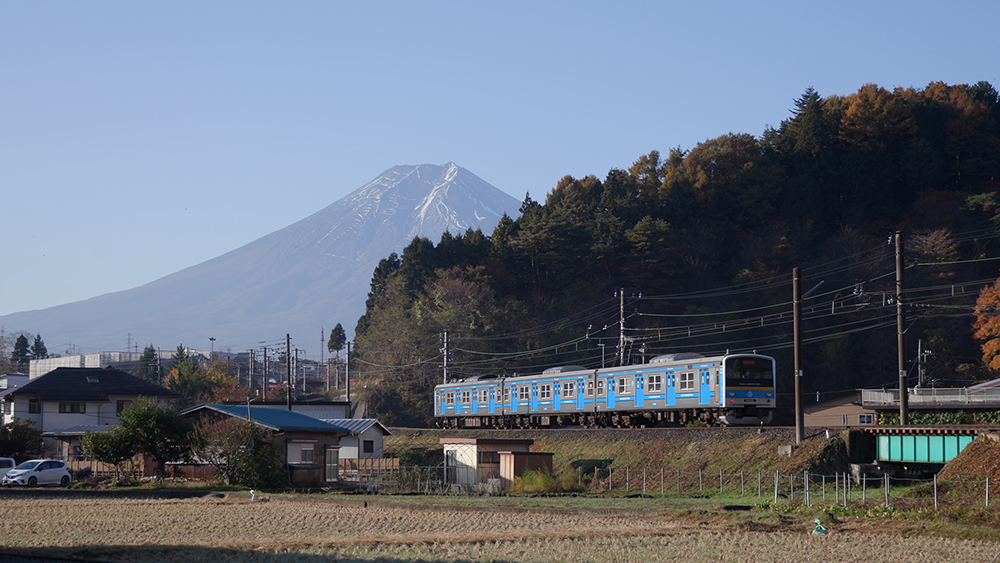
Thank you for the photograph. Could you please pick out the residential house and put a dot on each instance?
(843, 412)
(471, 461)
(309, 447)
(85, 398)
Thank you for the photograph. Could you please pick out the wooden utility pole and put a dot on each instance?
(797, 345)
(901, 333)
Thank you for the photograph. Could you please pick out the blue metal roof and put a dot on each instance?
(357, 425)
(276, 419)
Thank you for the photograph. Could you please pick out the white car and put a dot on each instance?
(38, 472)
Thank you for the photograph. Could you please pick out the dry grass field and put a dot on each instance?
(314, 529)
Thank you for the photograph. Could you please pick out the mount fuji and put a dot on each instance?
(311, 274)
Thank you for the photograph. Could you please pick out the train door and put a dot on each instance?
(709, 386)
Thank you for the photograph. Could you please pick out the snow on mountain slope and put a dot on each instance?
(311, 274)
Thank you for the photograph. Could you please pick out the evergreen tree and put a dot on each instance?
(337, 339)
(147, 368)
(38, 349)
(22, 353)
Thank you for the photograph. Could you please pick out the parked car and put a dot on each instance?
(6, 464)
(38, 472)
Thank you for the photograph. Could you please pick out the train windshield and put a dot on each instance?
(749, 372)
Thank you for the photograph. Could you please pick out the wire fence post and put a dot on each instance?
(886, 487)
(847, 494)
(759, 490)
(627, 480)
(987, 492)
(864, 487)
(661, 481)
(720, 481)
(805, 486)
(775, 487)
(836, 488)
(701, 482)
(643, 481)
(743, 490)
(611, 472)
(935, 491)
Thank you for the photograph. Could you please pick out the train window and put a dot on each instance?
(687, 381)
(523, 393)
(506, 394)
(600, 388)
(625, 385)
(466, 397)
(568, 389)
(654, 383)
(590, 388)
(449, 398)
(545, 391)
(484, 395)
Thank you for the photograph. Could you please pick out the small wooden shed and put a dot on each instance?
(470, 461)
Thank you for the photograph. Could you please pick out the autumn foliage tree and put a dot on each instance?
(987, 325)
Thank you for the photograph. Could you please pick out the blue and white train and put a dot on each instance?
(735, 389)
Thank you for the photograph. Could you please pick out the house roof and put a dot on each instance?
(88, 384)
(78, 430)
(279, 420)
(357, 425)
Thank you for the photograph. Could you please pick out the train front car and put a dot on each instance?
(748, 392)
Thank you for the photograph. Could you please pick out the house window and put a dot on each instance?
(307, 453)
(8, 407)
(687, 381)
(34, 406)
(625, 386)
(545, 391)
(122, 405)
(70, 408)
(568, 389)
(845, 420)
(654, 384)
(867, 418)
(368, 446)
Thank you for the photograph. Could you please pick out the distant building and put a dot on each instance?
(843, 412)
(125, 361)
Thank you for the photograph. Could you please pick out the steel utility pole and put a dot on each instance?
(288, 371)
(444, 350)
(901, 333)
(621, 326)
(347, 371)
(797, 345)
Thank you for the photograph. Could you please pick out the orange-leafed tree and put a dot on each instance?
(987, 325)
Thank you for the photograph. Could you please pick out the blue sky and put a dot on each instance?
(138, 138)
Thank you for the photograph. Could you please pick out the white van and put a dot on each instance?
(6, 464)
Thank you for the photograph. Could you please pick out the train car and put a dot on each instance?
(734, 389)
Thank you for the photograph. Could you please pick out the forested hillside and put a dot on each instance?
(703, 242)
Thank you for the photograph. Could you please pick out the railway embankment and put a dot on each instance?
(711, 450)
